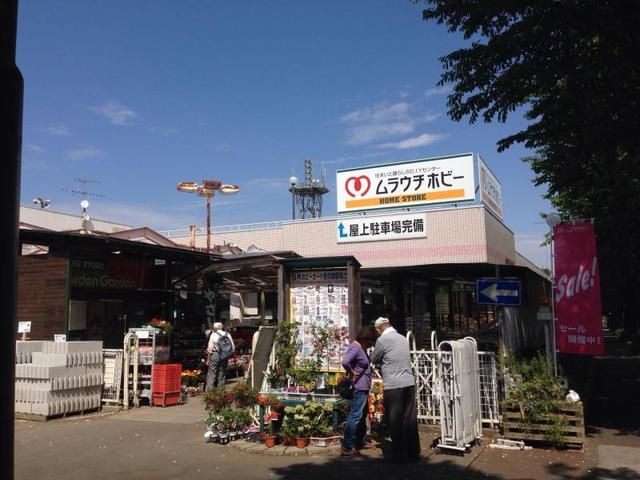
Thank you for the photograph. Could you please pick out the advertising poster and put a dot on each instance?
(320, 298)
(577, 293)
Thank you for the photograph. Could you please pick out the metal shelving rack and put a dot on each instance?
(150, 342)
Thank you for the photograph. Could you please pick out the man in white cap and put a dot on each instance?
(219, 349)
(393, 355)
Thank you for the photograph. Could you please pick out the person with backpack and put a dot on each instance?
(219, 349)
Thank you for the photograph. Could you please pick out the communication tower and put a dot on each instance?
(306, 199)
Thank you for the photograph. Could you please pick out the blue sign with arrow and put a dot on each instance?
(491, 291)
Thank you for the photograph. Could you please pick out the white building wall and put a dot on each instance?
(454, 235)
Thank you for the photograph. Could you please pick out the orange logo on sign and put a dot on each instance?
(358, 185)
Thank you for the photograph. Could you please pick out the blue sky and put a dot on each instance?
(140, 95)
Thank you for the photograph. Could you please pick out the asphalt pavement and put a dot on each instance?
(168, 443)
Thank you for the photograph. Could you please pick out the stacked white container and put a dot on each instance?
(54, 378)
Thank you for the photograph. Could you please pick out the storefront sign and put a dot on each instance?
(388, 227)
(577, 290)
(490, 188)
(318, 276)
(122, 272)
(406, 184)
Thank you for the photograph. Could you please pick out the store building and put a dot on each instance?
(423, 250)
(96, 287)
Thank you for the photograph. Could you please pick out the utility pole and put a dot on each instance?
(11, 100)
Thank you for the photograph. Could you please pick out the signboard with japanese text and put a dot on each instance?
(388, 227)
(577, 290)
(490, 188)
(320, 299)
(406, 184)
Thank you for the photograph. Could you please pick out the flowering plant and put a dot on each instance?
(375, 400)
(269, 420)
(163, 325)
(270, 401)
(192, 378)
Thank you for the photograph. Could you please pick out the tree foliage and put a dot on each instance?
(573, 68)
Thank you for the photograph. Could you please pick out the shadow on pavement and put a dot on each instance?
(561, 471)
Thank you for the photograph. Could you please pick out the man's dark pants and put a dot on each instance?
(402, 422)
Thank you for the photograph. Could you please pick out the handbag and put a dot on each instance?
(345, 388)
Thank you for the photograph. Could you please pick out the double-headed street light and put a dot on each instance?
(207, 189)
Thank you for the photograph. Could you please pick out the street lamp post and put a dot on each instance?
(207, 189)
(553, 219)
(293, 181)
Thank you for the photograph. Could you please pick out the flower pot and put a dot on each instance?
(224, 438)
(270, 441)
(301, 442)
(215, 438)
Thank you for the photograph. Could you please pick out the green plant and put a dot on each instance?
(215, 399)
(536, 390)
(244, 396)
(539, 396)
(320, 418)
(285, 349)
(306, 373)
(296, 422)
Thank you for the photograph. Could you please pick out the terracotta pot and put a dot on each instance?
(301, 442)
(270, 441)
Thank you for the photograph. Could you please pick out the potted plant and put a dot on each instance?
(321, 424)
(270, 438)
(536, 409)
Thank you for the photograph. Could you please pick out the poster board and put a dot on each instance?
(320, 298)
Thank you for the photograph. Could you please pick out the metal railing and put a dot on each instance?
(425, 368)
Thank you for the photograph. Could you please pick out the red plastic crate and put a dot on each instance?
(167, 378)
(165, 399)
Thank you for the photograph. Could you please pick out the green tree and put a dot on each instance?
(573, 68)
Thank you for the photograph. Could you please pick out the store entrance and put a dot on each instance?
(106, 320)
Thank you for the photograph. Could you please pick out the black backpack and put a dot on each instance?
(225, 348)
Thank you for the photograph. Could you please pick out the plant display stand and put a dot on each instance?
(571, 430)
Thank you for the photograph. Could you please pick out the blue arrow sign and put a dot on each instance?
(341, 228)
(491, 291)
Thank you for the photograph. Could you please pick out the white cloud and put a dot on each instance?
(35, 148)
(381, 112)
(59, 130)
(414, 142)
(430, 117)
(163, 131)
(222, 148)
(443, 90)
(85, 153)
(364, 134)
(115, 112)
(383, 121)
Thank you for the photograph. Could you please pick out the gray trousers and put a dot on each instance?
(217, 372)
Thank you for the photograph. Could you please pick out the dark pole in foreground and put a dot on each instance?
(10, 148)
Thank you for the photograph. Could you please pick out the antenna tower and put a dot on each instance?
(307, 198)
(82, 190)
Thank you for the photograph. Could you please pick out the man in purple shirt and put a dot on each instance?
(356, 363)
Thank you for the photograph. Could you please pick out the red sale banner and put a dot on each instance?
(577, 292)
